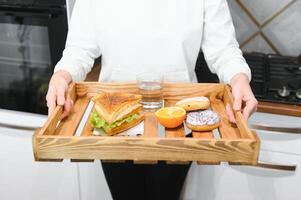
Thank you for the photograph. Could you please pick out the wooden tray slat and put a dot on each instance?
(150, 125)
(178, 132)
(204, 135)
(132, 148)
(52, 122)
(171, 91)
(143, 162)
(175, 132)
(68, 126)
(150, 130)
(227, 130)
(88, 129)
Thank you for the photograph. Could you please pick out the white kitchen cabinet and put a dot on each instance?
(69, 7)
(93, 183)
(23, 178)
(244, 182)
(226, 182)
(278, 141)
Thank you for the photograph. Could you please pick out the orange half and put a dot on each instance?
(171, 117)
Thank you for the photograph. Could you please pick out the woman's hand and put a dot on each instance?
(244, 99)
(58, 92)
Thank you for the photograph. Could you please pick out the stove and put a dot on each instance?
(257, 63)
(284, 79)
(275, 78)
(35, 3)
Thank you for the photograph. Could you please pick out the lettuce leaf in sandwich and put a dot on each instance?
(99, 122)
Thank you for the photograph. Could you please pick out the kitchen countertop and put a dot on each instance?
(94, 73)
(21, 120)
(279, 108)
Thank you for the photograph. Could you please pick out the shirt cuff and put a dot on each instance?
(234, 67)
(71, 67)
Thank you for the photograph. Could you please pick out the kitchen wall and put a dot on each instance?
(269, 26)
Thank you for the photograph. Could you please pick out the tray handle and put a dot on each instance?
(240, 120)
(55, 117)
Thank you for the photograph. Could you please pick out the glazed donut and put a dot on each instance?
(206, 120)
(194, 103)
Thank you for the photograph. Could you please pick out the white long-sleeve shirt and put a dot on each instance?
(135, 36)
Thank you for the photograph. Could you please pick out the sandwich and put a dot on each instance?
(116, 112)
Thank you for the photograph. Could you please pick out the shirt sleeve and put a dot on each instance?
(219, 43)
(81, 46)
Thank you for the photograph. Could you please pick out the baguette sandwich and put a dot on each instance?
(116, 112)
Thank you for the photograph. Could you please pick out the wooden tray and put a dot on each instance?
(57, 140)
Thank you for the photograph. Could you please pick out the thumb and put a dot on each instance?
(237, 102)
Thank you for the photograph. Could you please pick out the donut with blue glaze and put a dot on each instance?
(205, 120)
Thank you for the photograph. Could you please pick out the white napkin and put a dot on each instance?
(134, 131)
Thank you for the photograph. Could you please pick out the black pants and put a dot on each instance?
(128, 181)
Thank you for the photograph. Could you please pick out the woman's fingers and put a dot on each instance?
(58, 97)
(244, 99)
(251, 107)
(237, 104)
(67, 107)
(57, 92)
(51, 99)
(230, 113)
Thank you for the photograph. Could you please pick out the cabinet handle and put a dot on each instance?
(276, 166)
(261, 164)
(18, 127)
(294, 130)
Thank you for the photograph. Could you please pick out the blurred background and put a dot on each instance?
(33, 34)
(268, 26)
(269, 34)
(32, 38)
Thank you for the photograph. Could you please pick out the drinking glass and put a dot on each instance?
(150, 87)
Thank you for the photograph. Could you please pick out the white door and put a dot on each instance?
(245, 183)
(278, 141)
(93, 183)
(23, 178)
